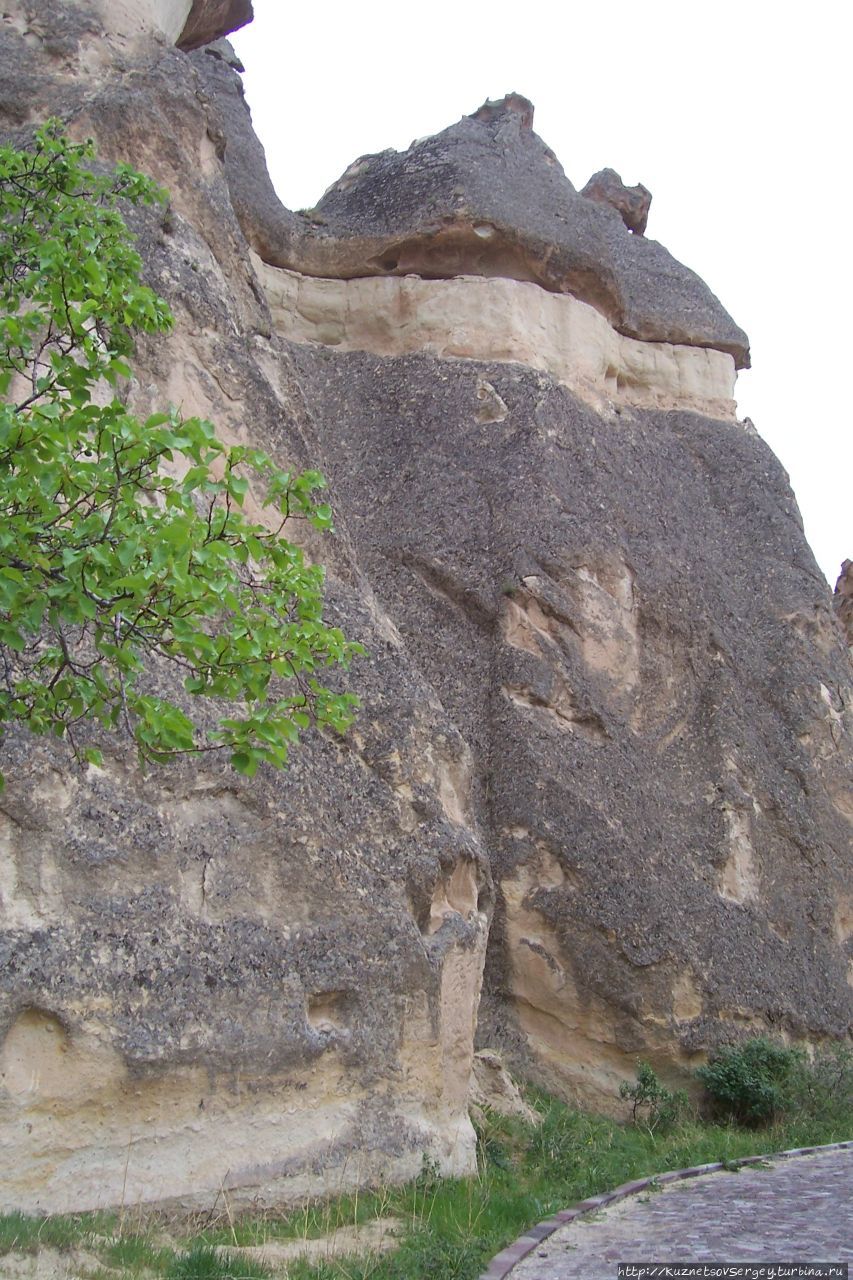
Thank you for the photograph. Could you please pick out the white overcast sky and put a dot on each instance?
(737, 116)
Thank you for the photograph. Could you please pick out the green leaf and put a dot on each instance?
(245, 762)
(238, 487)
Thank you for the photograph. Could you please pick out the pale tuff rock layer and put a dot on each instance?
(492, 319)
(492, 1086)
(129, 18)
(604, 744)
(184, 1002)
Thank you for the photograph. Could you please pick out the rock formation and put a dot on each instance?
(631, 203)
(209, 20)
(270, 984)
(606, 707)
(842, 599)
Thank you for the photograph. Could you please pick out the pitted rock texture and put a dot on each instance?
(631, 203)
(484, 197)
(271, 987)
(662, 747)
(843, 600)
(603, 678)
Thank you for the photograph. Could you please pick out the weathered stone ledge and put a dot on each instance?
(187, 23)
(494, 319)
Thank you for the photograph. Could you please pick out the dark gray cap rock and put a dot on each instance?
(486, 197)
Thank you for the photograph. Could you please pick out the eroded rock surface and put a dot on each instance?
(269, 986)
(631, 203)
(474, 318)
(603, 677)
(118, 20)
(485, 197)
(492, 1086)
(843, 599)
(662, 748)
(210, 20)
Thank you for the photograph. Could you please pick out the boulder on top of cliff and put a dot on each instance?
(211, 19)
(631, 203)
(487, 197)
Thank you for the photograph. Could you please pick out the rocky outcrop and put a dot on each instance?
(486, 197)
(494, 1088)
(189, 23)
(631, 203)
(605, 733)
(843, 600)
(662, 751)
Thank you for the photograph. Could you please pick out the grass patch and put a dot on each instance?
(450, 1228)
(134, 1253)
(453, 1227)
(205, 1263)
(22, 1233)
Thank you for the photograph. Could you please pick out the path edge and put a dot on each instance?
(502, 1263)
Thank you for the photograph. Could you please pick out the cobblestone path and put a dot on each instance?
(799, 1210)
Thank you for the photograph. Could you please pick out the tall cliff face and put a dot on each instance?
(271, 984)
(606, 709)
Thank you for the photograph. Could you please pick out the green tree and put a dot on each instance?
(125, 548)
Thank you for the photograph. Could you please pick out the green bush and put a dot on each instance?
(751, 1083)
(822, 1089)
(652, 1104)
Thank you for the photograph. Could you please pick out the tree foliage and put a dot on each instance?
(125, 545)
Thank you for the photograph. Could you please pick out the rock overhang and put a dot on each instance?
(189, 24)
(487, 197)
(210, 20)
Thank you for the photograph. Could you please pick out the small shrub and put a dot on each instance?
(822, 1089)
(653, 1105)
(749, 1083)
